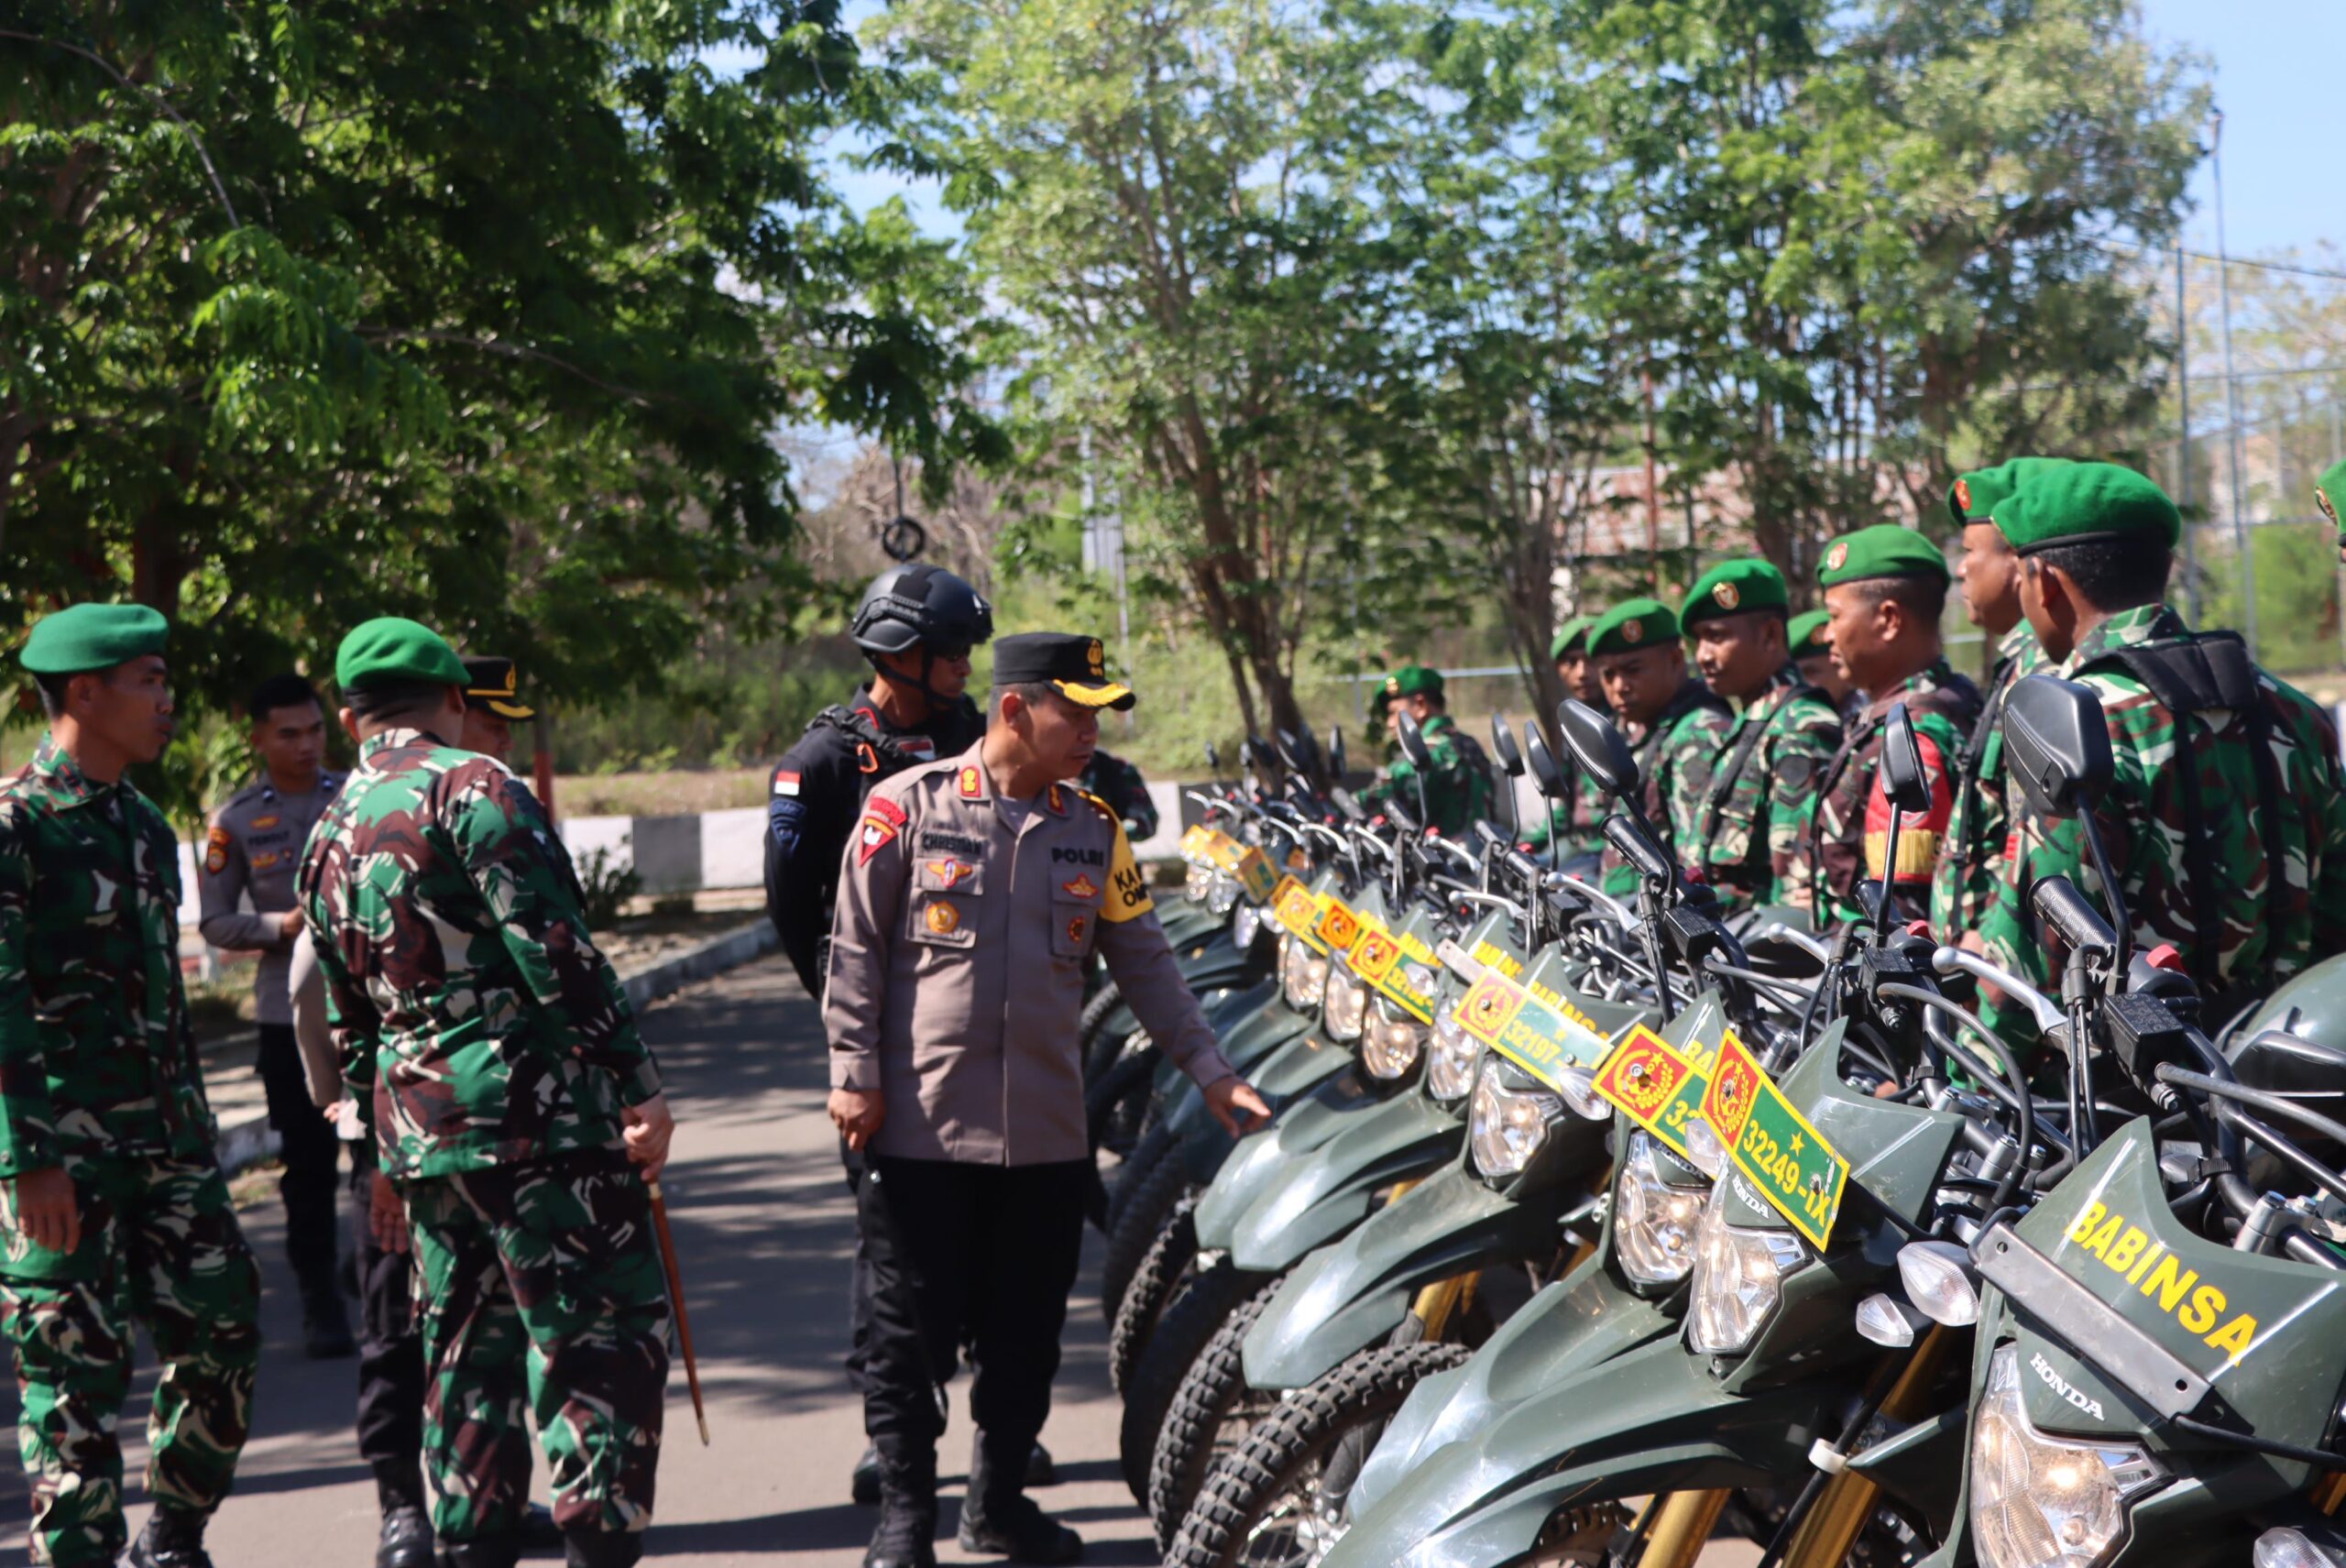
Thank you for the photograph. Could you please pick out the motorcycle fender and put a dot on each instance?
(1923, 1466)
(1187, 924)
(1303, 1127)
(1310, 1202)
(1354, 1293)
(1203, 1144)
(1651, 1420)
(1583, 1319)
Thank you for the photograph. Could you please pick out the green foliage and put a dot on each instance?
(2296, 592)
(605, 888)
(485, 316)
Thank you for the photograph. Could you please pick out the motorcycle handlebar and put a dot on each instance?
(2067, 911)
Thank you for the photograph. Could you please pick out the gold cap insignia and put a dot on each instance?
(1096, 656)
(1963, 496)
(1835, 557)
(1727, 595)
(1633, 631)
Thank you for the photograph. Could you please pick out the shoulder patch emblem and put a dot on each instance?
(1835, 557)
(1727, 595)
(1082, 887)
(943, 919)
(215, 851)
(1633, 631)
(1963, 497)
(882, 819)
(972, 783)
(785, 783)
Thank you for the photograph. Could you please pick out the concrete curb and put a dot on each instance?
(251, 1141)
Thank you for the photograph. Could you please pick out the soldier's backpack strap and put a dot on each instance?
(2187, 676)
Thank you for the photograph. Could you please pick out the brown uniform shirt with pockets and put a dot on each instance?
(958, 954)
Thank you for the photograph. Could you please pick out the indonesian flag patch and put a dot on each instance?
(785, 783)
(883, 820)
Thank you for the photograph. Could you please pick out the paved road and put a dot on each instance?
(761, 1222)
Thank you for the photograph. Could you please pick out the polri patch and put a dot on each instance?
(215, 851)
(972, 783)
(1082, 887)
(883, 820)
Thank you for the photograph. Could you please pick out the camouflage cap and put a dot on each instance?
(1885, 550)
(2329, 494)
(93, 637)
(1632, 624)
(2086, 502)
(1574, 636)
(1806, 634)
(1731, 588)
(391, 649)
(1413, 680)
(1974, 496)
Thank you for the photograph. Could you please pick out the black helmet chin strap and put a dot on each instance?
(939, 703)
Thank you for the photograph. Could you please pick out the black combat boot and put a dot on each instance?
(1040, 1471)
(539, 1533)
(325, 1324)
(602, 1547)
(174, 1539)
(405, 1538)
(999, 1516)
(907, 1534)
(483, 1552)
(863, 1485)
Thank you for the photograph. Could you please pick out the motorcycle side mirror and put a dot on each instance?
(1213, 757)
(1544, 764)
(1290, 750)
(1904, 778)
(1413, 744)
(1503, 747)
(1258, 751)
(1600, 749)
(1335, 750)
(2057, 745)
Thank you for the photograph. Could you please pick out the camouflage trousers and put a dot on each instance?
(160, 1246)
(540, 1280)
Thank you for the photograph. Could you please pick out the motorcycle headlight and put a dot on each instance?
(1246, 925)
(1392, 1042)
(1346, 1006)
(1739, 1278)
(1505, 1127)
(1450, 1070)
(1653, 1221)
(2038, 1501)
(1303, 975)
(1222, 892)
(1197, 883)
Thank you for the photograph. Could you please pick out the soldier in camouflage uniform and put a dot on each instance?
(1751, 833)
(1989, 575)
(1677, 725)
(1575, 825)
(1812, 638)
(2226, 820)
(514, 1105)
(1120, 783)
(1458, 785)
(1885, 588)
(116, 1205)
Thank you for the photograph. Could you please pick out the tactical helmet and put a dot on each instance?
(918, 604)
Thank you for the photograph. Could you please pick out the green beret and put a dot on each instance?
(1885, 550)
(1574, 634)
(1806, 634)
(93, 637)
(2085, 502)
(1631, 625)
(1413, 680)
(1973, 497)
(2328, 491)
(1733, 587)
(394, 651)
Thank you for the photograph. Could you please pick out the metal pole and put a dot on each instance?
(2231, 405)
(2183, 445)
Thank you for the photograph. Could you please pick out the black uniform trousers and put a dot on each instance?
(981, 1254)
(390, 1357)
(310, 1152)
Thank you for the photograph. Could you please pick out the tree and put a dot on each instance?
(483, 315)
(1159, 193)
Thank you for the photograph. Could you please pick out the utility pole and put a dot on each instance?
(2232, 403)
(2182, 441)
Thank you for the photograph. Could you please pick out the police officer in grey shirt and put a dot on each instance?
(250, 856)
(973, 893)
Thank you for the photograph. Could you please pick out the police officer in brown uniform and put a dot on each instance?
(250, 854)
(972, 895)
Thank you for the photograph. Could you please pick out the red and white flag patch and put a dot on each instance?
(785, 783)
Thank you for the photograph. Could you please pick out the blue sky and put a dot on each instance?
(2275, 66)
